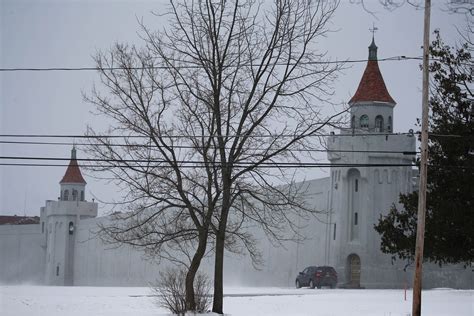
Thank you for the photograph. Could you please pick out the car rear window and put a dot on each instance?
(326, 269)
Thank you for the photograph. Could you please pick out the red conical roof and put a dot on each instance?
(372, 86)
(73, 172)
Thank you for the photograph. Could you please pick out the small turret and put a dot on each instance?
(372, 105)
(60, 220)
(73, 184)
(372, 86)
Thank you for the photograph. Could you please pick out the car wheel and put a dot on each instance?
(319, 286)
(311, 284)
(298, 285)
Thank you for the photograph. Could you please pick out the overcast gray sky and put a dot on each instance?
(66, 33)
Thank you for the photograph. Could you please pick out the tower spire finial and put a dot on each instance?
(373, 29)
(73, 150)
(373, 47)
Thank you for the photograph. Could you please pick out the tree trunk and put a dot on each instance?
(218, 302)
(217, 306)
(192, 271)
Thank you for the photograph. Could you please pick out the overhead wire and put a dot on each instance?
(107, 163)
(88, 68)
(72, 136)
(348, 61)
(308, 150)
(223, 136)
(196, 136)
(192, 164)
(241, 165)
(184, 161)
(199, 147)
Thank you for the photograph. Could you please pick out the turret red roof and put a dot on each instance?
(73, 172)
(372, 86)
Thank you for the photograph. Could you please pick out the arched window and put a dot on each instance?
(82, 195)
(379, 123)
(353, 121)
(389, 125)
(74, 195)
(354, 199)
(66, 195)
(364, 121)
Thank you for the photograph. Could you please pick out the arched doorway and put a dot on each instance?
(353, 270)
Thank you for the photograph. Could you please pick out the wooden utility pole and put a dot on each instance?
(420, 231)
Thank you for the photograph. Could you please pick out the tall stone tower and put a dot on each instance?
(359, 193)
(58, 222)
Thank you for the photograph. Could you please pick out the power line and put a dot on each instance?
(223, 136)
(16, 69)
(349, 61)
(158, 161)
(198, 147)
(275, 165)
(236, 165)
(194, 136)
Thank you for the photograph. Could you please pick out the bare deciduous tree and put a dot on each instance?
(210, 110)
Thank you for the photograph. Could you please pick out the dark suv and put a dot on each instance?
(317, 277)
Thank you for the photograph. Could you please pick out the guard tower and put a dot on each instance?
(58, 223)
(370, 168)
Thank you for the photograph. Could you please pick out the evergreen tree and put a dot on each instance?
(449, 234)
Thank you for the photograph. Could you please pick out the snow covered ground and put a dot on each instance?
(117, 301)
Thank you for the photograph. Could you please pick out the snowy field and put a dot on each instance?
(116, 301)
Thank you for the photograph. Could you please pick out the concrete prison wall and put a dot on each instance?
(22, 258)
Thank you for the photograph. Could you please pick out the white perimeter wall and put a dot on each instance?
(22, 260)
(283, 262)
(98, 264)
